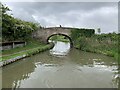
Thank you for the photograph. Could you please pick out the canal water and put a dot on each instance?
(62, 67)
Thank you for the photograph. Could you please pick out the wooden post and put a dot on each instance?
(13, 45)
(25, 44)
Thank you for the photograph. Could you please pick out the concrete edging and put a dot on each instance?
(3, 63)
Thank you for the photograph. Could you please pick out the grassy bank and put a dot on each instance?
(31, 48)
(106, 44)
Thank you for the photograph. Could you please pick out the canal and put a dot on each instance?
(62, 67)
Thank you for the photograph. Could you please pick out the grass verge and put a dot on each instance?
(92, 44)
(33, 47)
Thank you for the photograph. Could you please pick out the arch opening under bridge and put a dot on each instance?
(68, 37)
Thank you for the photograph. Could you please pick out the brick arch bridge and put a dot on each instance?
(44, 34)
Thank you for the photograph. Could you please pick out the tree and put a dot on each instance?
(7, 23)
(99, 30)
(60, 25)
(15, 29)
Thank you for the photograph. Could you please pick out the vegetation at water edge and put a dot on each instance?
(106, 44)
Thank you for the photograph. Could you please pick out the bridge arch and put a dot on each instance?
(71, 42)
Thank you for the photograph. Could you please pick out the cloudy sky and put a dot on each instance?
(95, 15)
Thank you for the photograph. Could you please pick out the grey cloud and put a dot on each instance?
(61, 6)
(76, 14)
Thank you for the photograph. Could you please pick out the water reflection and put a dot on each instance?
(60, 48)
(13, 74)
(77, 69)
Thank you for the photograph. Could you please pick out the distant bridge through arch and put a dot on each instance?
(71, 42)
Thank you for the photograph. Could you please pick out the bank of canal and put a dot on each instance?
(10, 58)
(62, 67)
